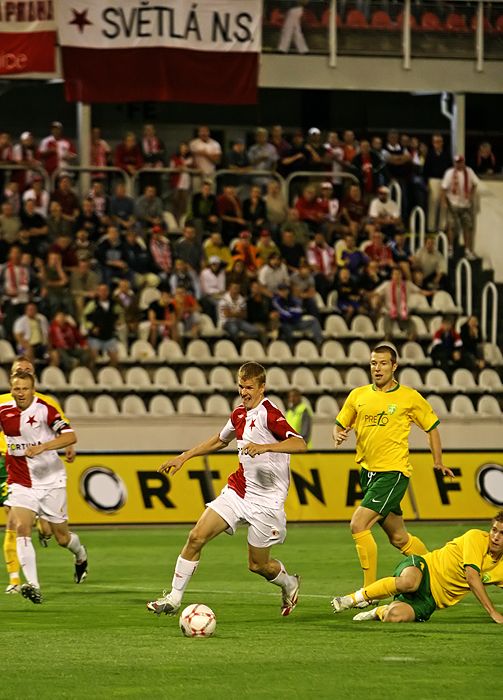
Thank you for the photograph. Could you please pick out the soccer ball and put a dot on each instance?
(198, 620)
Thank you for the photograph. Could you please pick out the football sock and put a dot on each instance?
(184, 570)
(76, 548)
(27, 559)
(10, 555)
(283, 579)
(366, 548)
(384, 588)
(414, 546)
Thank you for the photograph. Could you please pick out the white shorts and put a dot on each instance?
(266, 526)
(46, 503)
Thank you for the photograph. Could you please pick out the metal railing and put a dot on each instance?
(315, 175)
(489, 288)
(8, 167)
(89, 170)
(417, 225)
(464, 265)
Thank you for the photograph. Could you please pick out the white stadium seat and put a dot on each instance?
(356, 376)
(217, 405)
(161, 406)
(208, 328)
(488, 407)
(76, 406)
(189, 405)
(132, 405)
(4, 380)
(436, 380)
(147, 296)
(362, 326)
(225, 351)
(336, 327)
(306, 352)
(194, 379)
(105, 406)
(81, 378)
(420, 326)
(330, 379)
(413, 354)
(438, 405)
(326, 406)
(492, 354)
(462, 407)
(463, 380)
(138, 378)
(166, 379)
(277, 379)
(304, 380)
(279, 352)
(411, 377)
(359, 352)
(110, 378)
(333, 352)
(198, 351)
(7, 353)
(489, 380)
(252, 350)
(169, 351)
(222, 379)
(53, 378)
(142, 350)
(443, 302)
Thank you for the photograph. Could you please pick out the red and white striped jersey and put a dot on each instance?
(38, 423)
(263, 479)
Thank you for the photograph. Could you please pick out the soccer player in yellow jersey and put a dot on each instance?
(438, 579)
(9, 544)
(381, 414)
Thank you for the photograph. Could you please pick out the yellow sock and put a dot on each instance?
(10, 555)
(366, 549)
(414, 546)
(384, 588)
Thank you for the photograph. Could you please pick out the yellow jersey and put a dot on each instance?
(447, 567)
(5, 398)
(382, 421)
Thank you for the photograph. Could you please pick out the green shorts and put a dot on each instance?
(421, 601)
(3, 480)
(383, 491)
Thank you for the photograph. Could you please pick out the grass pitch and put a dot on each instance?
(97, 640)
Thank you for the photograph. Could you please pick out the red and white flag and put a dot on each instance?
(27, 39)
(174, 50)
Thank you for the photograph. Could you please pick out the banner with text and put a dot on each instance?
(127, 488)
(27, 39)
(177, 50)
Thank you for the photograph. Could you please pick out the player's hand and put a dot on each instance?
(34, 450)
(252, 449)
(70, 454)
(445, 470)
(341, 436)
(172, 465)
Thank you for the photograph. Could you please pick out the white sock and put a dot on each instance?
(76, 548)
(27, 559)
(283, 579)
(359, 597)
(184, 570)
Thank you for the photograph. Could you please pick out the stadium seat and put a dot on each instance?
(166, 379)
(76, 406)
(325, 18)
(208, 328)
(330, 380)
(217, 405)
(4, 380)
(7, 353)
(462, 407)
(411, 377)
(381, 20)
(489, 380)
(306, 352)
(454, 22)
(304, 380)
(336, 327)
(492, 354)
(147, 296)
(498, 25)
(399, 21)
(488, 407)
(279, 352)
(359, 352)
(225, 351)
(488, 28)
(194, 379)
(397, 333)
(413, 354)
(277, 401)
(332, 300)
(141, 351)
(421, 328)
(105, 406)
(326, 407)
(355, 19)
(53, 378)
(170, 351)
(438, 405)
(277, 379)
(252, 349)
(132, 405)
(110, 378)
(463, 380)
(333, 352)
(356, 376)
(435, 324)
(138, 379)
(161, 406)
(189, 405)
(171, 222)
(362, 326)
(310, 20)
(276, 18)
(198, 351)
(222, 379)
(417, 302)
(81, 379)
(431, 22)
(443, 302)
(436, 380)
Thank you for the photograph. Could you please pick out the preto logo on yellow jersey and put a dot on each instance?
(379, 419)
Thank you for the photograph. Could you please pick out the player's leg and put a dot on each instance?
(44, 531)
(26, 553)
(394, 526)
(260, 562)
(10, 553)
(209, 525)
(362, 521)
(71, 541)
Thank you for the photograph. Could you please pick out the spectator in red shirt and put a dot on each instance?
(66, 197)
(68, 347)
(309, 208)
(381, 253)
(128, 154)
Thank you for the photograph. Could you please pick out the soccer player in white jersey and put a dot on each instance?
(34, 430)
(254, 495)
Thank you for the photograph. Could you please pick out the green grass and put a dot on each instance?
(98, 640)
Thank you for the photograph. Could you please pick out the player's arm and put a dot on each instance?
(478, 590)
(436, 450)
(65, 439)
(344, 421)
(290, 446)
(213, 444)
(70, 450)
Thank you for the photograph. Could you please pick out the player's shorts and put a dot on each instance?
(3, 480)
(383, 491)
(46, 503)
(266, 526)
(421, 601)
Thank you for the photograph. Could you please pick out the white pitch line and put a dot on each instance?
(98, 587)
(399, 658)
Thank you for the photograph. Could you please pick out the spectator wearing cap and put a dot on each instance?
(25, 153)
(291, 30)
(262, 155)
(315, 150)
(436, 162)
(40, 196)
(56, 151)
(212, 285)
(384, 213)
(230, 212)
(459, 187)
(246, 251)
(148, 210)
(290, 311)
(255, 211)
(266, 247)
(272, 274)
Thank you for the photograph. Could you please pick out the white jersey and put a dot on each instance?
(38, 423)
(263, 479)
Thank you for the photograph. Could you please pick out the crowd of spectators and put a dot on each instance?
(74, 267)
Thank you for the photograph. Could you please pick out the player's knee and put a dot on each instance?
(398, 540)
(255, 567)
(62, 538)
(196, 540)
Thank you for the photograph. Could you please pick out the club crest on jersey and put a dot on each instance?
(392, 408)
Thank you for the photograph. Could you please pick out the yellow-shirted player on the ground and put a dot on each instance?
(438, 579)
(381, 414)
(9, 543)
